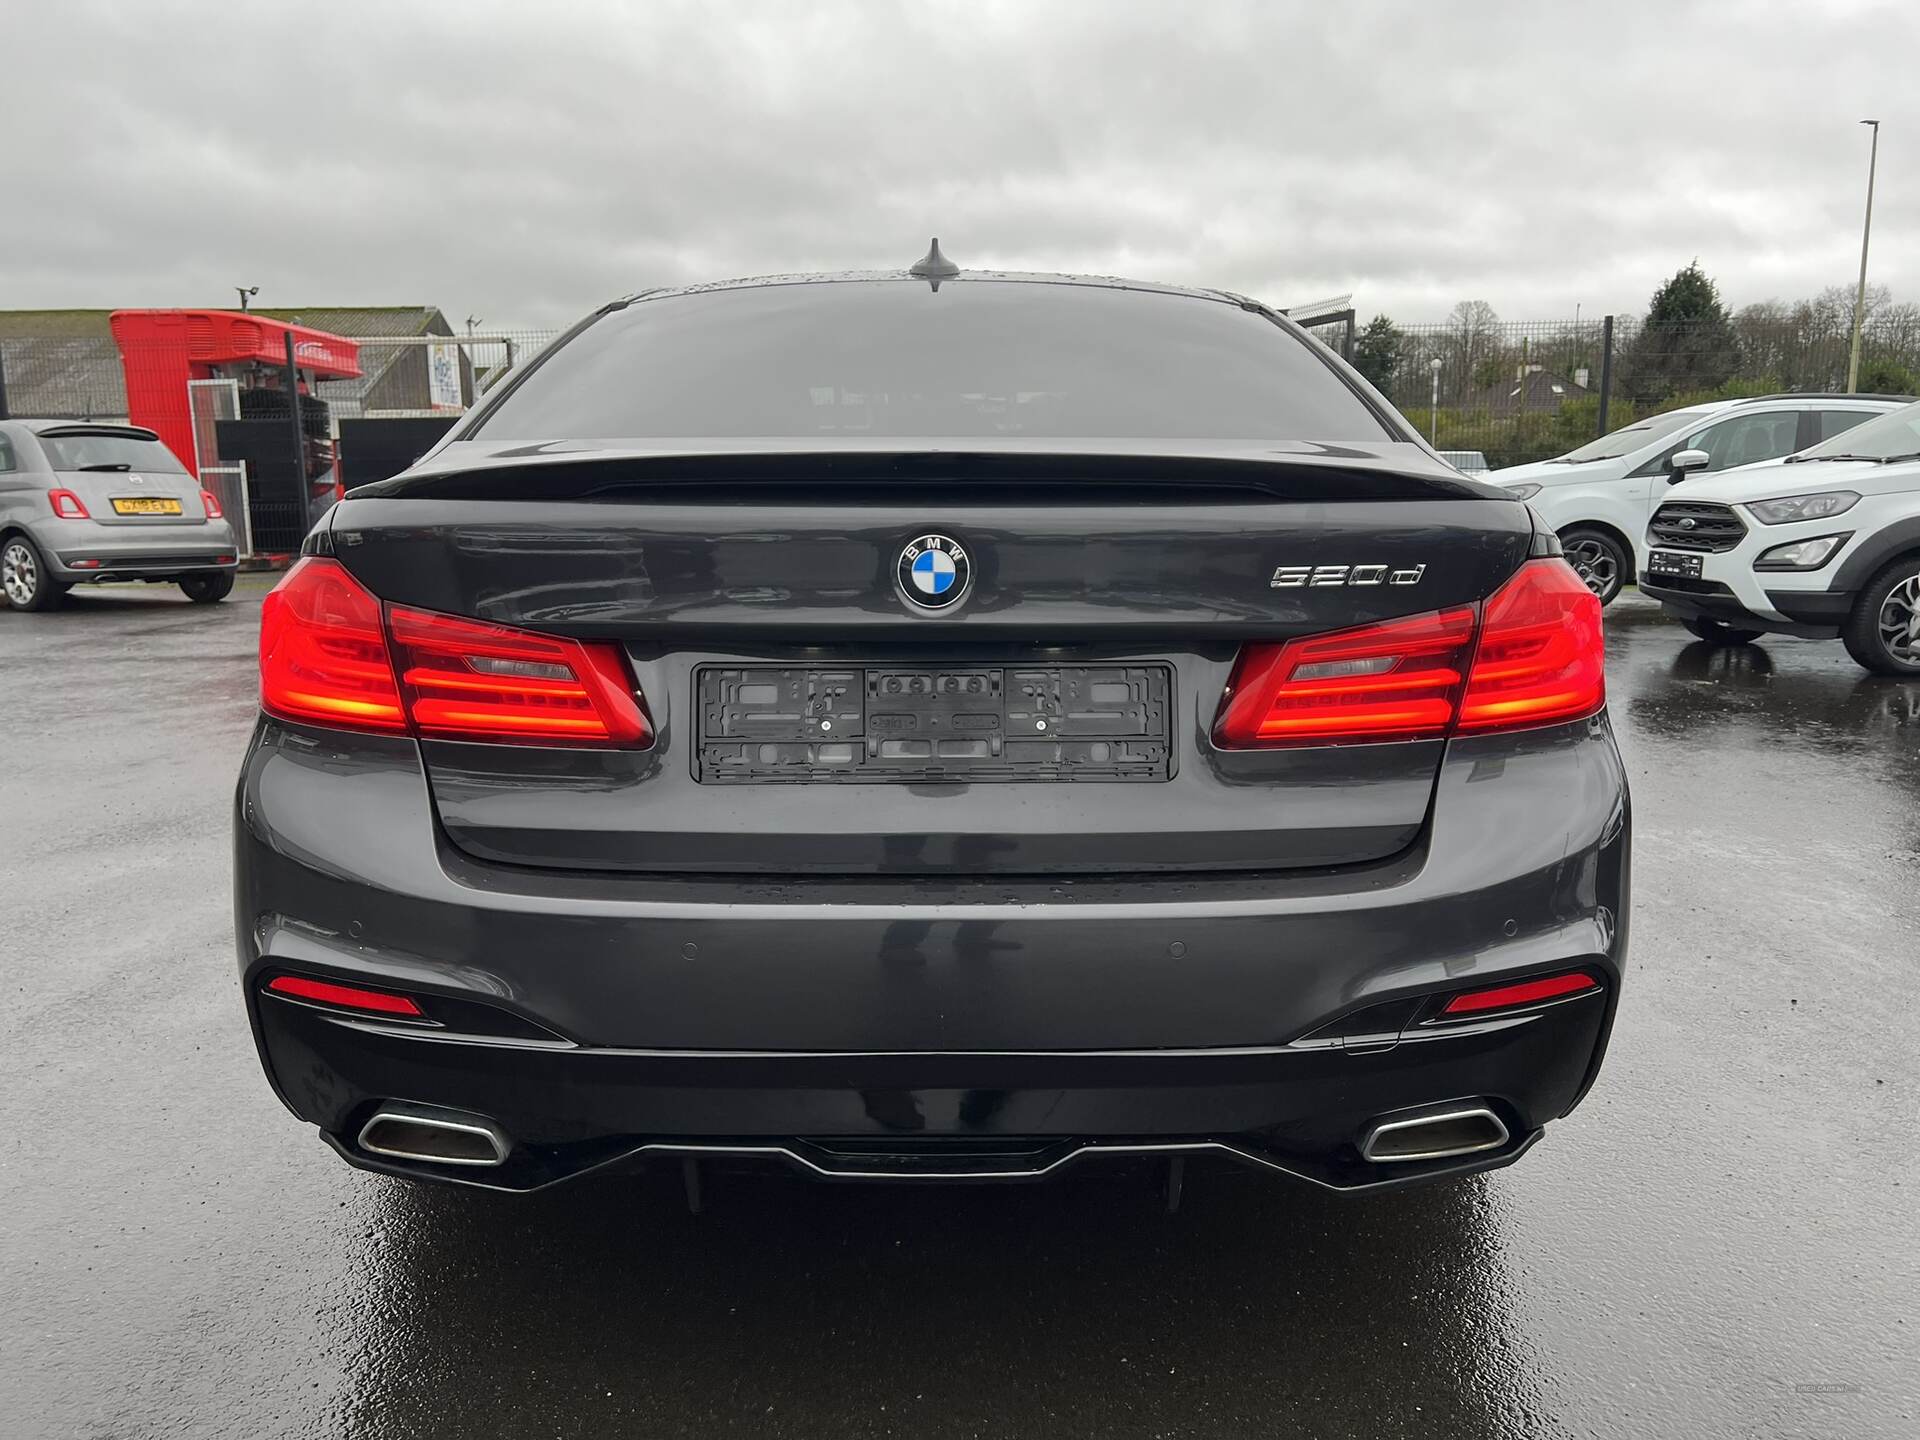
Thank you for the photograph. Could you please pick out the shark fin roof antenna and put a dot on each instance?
(933, 267)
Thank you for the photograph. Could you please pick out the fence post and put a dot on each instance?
(1606, 369)
(4, 415)
(293, 411)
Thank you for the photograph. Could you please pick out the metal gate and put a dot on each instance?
(208, 403)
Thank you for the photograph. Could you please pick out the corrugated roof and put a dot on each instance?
(54, 324)
(354, 321)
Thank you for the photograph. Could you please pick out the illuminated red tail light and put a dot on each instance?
(1532, 654)
(1527, 992)
(67, 506)
(1398, 680)
(345, 997)
(329, 656)
(467, 680)
(323, 657)
(1541, 657)
(211, 504)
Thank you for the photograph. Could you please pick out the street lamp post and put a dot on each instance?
(1866, 234)
(1433, 414)
(244, 292)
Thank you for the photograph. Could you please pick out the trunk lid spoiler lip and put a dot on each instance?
(473, 469)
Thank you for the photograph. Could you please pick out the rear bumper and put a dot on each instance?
(918, 1028)
(919, 1116)
(79, 551)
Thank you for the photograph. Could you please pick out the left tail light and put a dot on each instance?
(467, 680)
(1532, 654)
(211, 504)
(331, 654)
(323, 658)
(67, 505)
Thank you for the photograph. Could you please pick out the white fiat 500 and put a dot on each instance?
(1826, 545)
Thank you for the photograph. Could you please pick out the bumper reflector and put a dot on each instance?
(344, 997)
(1527, 992)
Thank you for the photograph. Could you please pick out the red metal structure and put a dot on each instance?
(161, 350)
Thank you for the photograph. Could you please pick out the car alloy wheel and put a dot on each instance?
(20, 574)
(1899, 621)
(1596, 561)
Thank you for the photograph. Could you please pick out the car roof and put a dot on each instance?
(1822, 395)
(1017, 277)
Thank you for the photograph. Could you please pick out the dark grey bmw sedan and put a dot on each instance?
(933, 725)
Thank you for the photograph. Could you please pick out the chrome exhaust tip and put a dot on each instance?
(439, 1139)
(1443, 1136)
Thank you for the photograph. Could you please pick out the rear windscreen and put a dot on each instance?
(898, 358)
(99, 451)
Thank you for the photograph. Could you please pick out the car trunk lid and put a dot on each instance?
(123, 475)
(808, 717)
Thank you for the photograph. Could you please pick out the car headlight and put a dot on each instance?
(1801, 554)
(1521, 492)
(1802, 507)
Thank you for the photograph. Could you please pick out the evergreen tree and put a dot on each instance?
(1376, 353)
(1686, 343)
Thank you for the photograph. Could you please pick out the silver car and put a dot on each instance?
(82, 502)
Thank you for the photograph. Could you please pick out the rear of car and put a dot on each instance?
(83, 503)
(1826, 546)
(941, 730)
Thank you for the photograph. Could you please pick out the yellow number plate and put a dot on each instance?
(146, 505)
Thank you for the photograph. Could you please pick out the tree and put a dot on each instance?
(1887, 377)
(1472, 335)
(1376, 353)
(1687, 341)
(1832, 308)
(1773, 341)
(1472, 318)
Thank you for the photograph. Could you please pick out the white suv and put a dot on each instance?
(1599, 498)
(1826, 545)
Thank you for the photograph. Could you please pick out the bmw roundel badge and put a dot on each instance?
(934, 573)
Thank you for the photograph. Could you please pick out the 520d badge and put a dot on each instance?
(1294, 577)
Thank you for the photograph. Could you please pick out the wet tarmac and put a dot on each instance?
(1723, 1241)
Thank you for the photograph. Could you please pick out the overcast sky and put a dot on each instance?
(524, 162)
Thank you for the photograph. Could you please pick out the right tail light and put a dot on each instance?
(1531, 654)
(331, 654)
(1542, 656)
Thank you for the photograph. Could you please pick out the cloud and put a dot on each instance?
(526, 162)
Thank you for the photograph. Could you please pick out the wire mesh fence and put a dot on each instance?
(1516, 392)
(367, 404)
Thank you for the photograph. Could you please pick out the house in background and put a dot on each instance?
(1532, 390)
